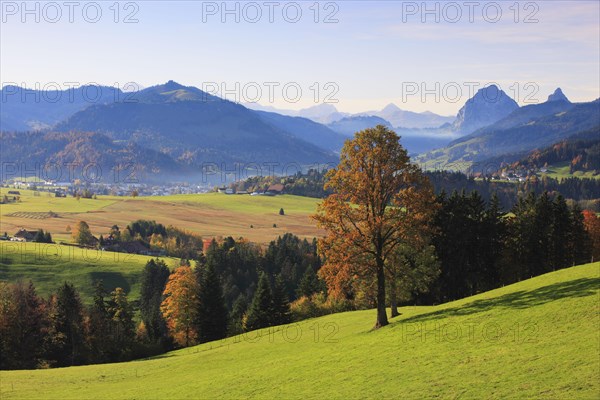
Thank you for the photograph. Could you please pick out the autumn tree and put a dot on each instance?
(23, 324)
(378, 195)
(180, 305)
(82, 234)
(592, 226)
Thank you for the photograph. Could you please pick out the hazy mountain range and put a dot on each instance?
(172, 130)
(522, 130)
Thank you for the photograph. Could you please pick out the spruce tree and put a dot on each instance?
(560, 233)
(309, 284)
(39, 236)
(66, 333)
(259, 314)
(580, 243)
(121, 317)
(154, 279)
(240, 305)
(99, 326)
(211, 318)
(281, 313)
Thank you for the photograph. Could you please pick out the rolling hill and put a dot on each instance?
(194, 128)
(535, 339)
(104, 156)
(306, 129)
(49, 265)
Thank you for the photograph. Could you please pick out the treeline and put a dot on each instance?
(309, 184)
(476, 246)
(480, 247)
(60, 331)
(142, 237)
(290, 264)
(584, 191)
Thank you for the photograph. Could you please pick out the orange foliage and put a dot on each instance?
(381, 200)
(180, 305)
(592, 226)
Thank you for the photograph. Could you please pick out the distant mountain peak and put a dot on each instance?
(391, 108)
(558, 95)
(489, 94)
(173, 92)
(170, 86)
(321, 108)
(488, 105)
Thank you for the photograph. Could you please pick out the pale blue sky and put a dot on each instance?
(370, 54)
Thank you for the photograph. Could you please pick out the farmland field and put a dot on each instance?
(535, 339)
(210, 215)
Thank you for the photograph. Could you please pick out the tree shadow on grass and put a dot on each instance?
(111, 280)
(583, 287)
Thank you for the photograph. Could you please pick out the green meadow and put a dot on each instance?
(562, 171)
(539, 338)
(49, 265)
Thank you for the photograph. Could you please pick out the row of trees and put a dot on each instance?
(61, 331)
(308, 184)
(150, 235)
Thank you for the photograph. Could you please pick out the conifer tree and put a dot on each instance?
(281, 313)
(66, 334)
(121, 317)
(153, 282)
(259, 314)
(211, 319)
(99, 326)
(310, 283)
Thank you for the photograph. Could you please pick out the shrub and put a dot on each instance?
(318, 305)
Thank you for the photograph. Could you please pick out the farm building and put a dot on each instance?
(275, 189)
(23, 235)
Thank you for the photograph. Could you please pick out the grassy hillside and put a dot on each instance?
(536, 339)
(210, 215)
(562, 171)
(49, 265)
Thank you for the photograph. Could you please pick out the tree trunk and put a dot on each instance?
(393, 302)
(381, 314)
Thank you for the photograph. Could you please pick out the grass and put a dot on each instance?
(562, 171)
(210, 215)
(539, 338)
(49, 265)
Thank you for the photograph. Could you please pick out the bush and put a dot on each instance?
(317, 305)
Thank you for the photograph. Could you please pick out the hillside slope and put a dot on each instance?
(535, 339)
(528, 128)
